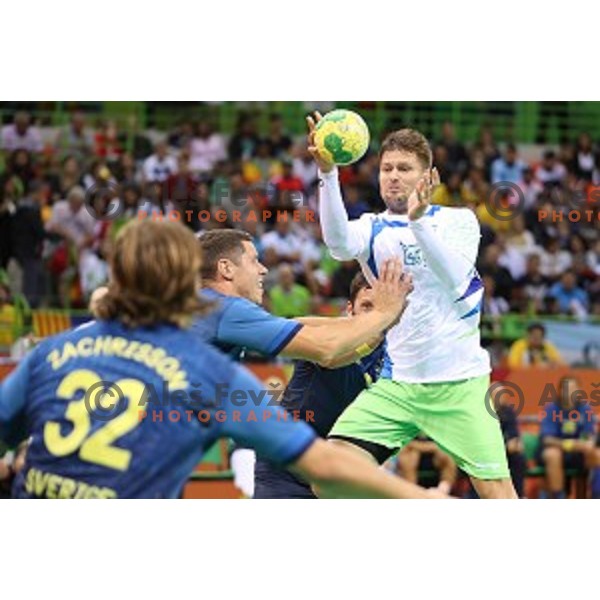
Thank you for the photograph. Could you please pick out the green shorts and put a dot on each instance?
(453, 414)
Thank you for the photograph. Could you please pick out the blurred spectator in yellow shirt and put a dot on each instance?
(534, 350)
(454, 193)
(8, 314)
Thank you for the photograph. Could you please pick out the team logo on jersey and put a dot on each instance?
(413, 255)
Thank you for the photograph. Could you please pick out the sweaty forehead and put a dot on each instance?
(396, 157)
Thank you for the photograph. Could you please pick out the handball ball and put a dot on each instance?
(342, 137)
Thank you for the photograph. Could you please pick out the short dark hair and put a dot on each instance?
(537, 326)
(408, 140)
(218, 244)
(358, 283)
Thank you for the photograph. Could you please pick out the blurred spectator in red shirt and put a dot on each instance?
(182, 186)
(288, 187)
(106, 141)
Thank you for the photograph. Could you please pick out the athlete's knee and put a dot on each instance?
(495, 489)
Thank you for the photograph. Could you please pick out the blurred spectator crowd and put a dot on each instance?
(54, 250)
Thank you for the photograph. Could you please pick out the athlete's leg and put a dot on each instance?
(454, 415)
(378, 422)
(495, 489)
(355, 445)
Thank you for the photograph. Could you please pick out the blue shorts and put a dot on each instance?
(271, 483)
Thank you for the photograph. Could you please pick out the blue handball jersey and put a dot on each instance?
(237, 324)
(117, 412)
(322, 395)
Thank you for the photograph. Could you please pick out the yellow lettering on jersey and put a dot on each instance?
(157, 359)
(85, 346)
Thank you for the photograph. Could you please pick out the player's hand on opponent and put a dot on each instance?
(324, 166)
(391, 289)
(420, 200)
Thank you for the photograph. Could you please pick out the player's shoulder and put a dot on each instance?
(205, 362)
(92, 327)
(452, 213)
(43, 348)
(222, 302)
(366, 219)
(454, 217)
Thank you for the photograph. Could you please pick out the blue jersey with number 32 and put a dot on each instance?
(117, 412)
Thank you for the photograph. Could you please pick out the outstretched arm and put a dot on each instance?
(343, 240)
(343, 341)
(336, 472)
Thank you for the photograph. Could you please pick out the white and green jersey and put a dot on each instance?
(437, 338)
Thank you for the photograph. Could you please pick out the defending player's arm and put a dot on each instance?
(453, 258)
(334, 471)
(344, 342)
(246, 324)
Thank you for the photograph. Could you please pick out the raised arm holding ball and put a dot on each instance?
(436, 374)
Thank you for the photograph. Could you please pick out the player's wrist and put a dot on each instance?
(327, 172)
(363, 350)
(416, 221)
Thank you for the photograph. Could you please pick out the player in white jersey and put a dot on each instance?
(436, 374)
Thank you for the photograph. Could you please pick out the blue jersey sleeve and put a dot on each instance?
(254, 419)
(244, 323)
(13, 396)
(550, 425)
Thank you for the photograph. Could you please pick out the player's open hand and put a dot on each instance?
(420, 200)
(392, 289)
(324, 166)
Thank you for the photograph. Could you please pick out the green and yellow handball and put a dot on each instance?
(342, 137)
